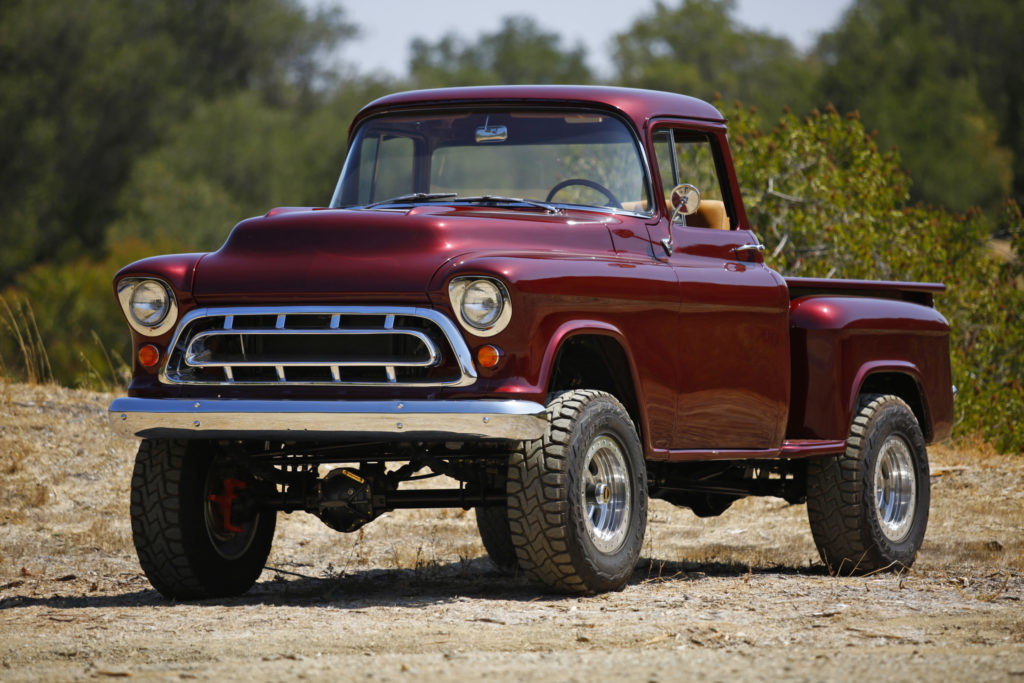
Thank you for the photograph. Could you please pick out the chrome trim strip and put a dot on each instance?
(463, 357)
(192, 357)
(255, 419)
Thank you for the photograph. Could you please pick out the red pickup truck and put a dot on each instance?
(551, 296)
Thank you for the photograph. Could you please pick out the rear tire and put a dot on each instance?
(181, 539)
(577, 497)
(868, 508)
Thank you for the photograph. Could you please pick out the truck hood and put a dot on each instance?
(337, 254)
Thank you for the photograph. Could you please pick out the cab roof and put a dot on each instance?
(638, 105)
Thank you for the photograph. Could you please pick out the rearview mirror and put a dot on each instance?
(489, 133)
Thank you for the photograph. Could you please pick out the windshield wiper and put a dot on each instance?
(414, 197)
(550, 208)
(430, 196)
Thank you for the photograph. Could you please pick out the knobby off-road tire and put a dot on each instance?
(492, 522)
(183, 548)
(868, 507)
(577, 497)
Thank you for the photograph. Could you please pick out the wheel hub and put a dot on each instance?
(223, 502)
(606, 493)
(230, 537)
(895, 489)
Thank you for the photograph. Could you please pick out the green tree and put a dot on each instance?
(828, 203)
(519, 52)
(68, 311)
(233, 158)
(698, 49)
(165, 122)
(90, 86)
(941, 80)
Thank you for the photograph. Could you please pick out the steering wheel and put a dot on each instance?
(585, 183)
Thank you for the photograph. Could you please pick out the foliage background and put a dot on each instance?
(128, 129)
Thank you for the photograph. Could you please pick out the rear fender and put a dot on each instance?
(840, 343)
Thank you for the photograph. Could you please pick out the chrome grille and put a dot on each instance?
(363, 346)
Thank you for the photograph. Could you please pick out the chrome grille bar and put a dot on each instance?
(423, 340)
(194, 358)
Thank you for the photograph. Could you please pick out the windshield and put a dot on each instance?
(564, 158)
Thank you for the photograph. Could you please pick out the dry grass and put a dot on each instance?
(64, 505)
(978, 509)
(64, 483)
(20, 322)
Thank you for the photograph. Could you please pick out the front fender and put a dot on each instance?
(177, 270)
(555, 297)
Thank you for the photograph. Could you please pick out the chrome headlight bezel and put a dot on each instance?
(127, 288)
(492, 324)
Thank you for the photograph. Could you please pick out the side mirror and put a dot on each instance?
(685, 200)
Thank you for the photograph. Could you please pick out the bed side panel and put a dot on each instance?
(839, 342)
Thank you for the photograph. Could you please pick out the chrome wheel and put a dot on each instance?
(577, 497)
(895, 488)
(606, 493)
(868, 507)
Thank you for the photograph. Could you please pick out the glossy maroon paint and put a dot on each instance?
(722, 363)
(839, 342)
(378, 254)
(177, 270)
(639, 106)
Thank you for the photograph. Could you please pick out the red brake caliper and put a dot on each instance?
(223, 501)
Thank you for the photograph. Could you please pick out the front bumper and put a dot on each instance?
(318, 420)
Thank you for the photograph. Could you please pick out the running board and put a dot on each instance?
(790, 450)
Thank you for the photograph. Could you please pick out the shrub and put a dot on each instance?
(827, 203)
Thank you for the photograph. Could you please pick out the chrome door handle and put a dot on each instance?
(748, 247)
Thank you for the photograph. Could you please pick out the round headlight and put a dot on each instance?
(481, 304)
(149, 303)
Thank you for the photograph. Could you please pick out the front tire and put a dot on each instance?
(577, 497)
(492, 523)
(188, 548)
(868, 508)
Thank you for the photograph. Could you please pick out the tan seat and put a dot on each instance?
(710, 214)
(639, 206)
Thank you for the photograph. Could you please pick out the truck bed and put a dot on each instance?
(915, 292)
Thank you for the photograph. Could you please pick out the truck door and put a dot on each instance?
(733, 342)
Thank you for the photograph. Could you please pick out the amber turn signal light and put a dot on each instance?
(149, 355)
(488, 356)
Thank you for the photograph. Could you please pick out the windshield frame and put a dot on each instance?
(432, 111)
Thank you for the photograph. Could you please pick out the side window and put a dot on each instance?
(385, 168)
(666, 161)
(697, 167)
(688, 157)
(367, 166)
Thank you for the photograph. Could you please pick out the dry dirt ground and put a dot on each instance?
(412, 597)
